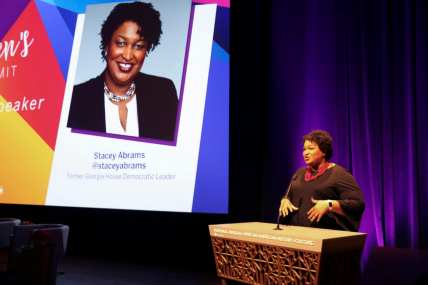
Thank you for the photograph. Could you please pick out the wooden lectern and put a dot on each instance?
(257, 253)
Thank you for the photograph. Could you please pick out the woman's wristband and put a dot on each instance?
(330, 205)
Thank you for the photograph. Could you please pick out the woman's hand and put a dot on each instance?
(286, 207)
(318, 210)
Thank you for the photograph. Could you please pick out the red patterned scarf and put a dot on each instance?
(311, 175)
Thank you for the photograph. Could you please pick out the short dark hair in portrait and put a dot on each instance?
(143, 14)
(324, 141)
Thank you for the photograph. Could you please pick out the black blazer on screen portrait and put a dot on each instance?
(156, 105)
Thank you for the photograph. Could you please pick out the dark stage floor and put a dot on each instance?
(87, 271)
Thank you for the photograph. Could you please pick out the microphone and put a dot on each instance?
(278, 228)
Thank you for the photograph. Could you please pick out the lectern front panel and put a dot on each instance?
(256, 253)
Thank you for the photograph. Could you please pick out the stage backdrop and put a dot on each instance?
(357, 69)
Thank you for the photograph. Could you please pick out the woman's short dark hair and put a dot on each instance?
(323, 140)
(143, 14)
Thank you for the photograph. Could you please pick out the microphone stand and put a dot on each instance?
(278, 228)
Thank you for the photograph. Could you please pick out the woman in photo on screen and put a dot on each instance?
(122, 100)
(322, 194)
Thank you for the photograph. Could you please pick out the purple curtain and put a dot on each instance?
(358, 69)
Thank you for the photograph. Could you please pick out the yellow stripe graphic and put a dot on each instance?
(25, 161)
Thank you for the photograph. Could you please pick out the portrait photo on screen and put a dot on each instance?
(130, 70)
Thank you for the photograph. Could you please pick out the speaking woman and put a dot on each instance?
(322, 194)
(122, 100)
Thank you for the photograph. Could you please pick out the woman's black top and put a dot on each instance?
(334, 184)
